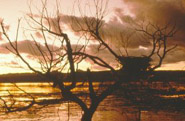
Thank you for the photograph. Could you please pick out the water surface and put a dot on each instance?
(113, 108)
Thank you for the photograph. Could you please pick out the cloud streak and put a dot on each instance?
(26, 46)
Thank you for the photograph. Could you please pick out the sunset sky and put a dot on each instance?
(118, 10)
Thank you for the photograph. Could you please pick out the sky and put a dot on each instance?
(118, 13)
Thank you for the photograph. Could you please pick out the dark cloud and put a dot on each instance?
(28, 47)
(158, 12)
(113, 32)
(38, 35)
(103, 54)
(174, 56)
(25, 46)
(54, 24)
(78, 25)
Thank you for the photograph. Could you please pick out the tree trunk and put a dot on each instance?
(87, 116)
(139, 115)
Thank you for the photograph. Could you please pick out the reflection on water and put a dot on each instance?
(111, 109)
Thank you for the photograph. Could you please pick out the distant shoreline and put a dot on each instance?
(82, 76)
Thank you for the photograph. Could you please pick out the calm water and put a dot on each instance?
(111, 109)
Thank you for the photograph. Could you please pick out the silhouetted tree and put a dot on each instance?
(132, 68)
(53, 60)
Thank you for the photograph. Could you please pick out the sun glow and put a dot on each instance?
(173, 66)
(142, 47)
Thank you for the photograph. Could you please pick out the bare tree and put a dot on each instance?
(132, 68)
(53, 59)
(157, 35)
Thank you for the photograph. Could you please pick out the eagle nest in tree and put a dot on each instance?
(135, 64)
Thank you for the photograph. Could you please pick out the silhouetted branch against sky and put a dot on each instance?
(114, 22)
